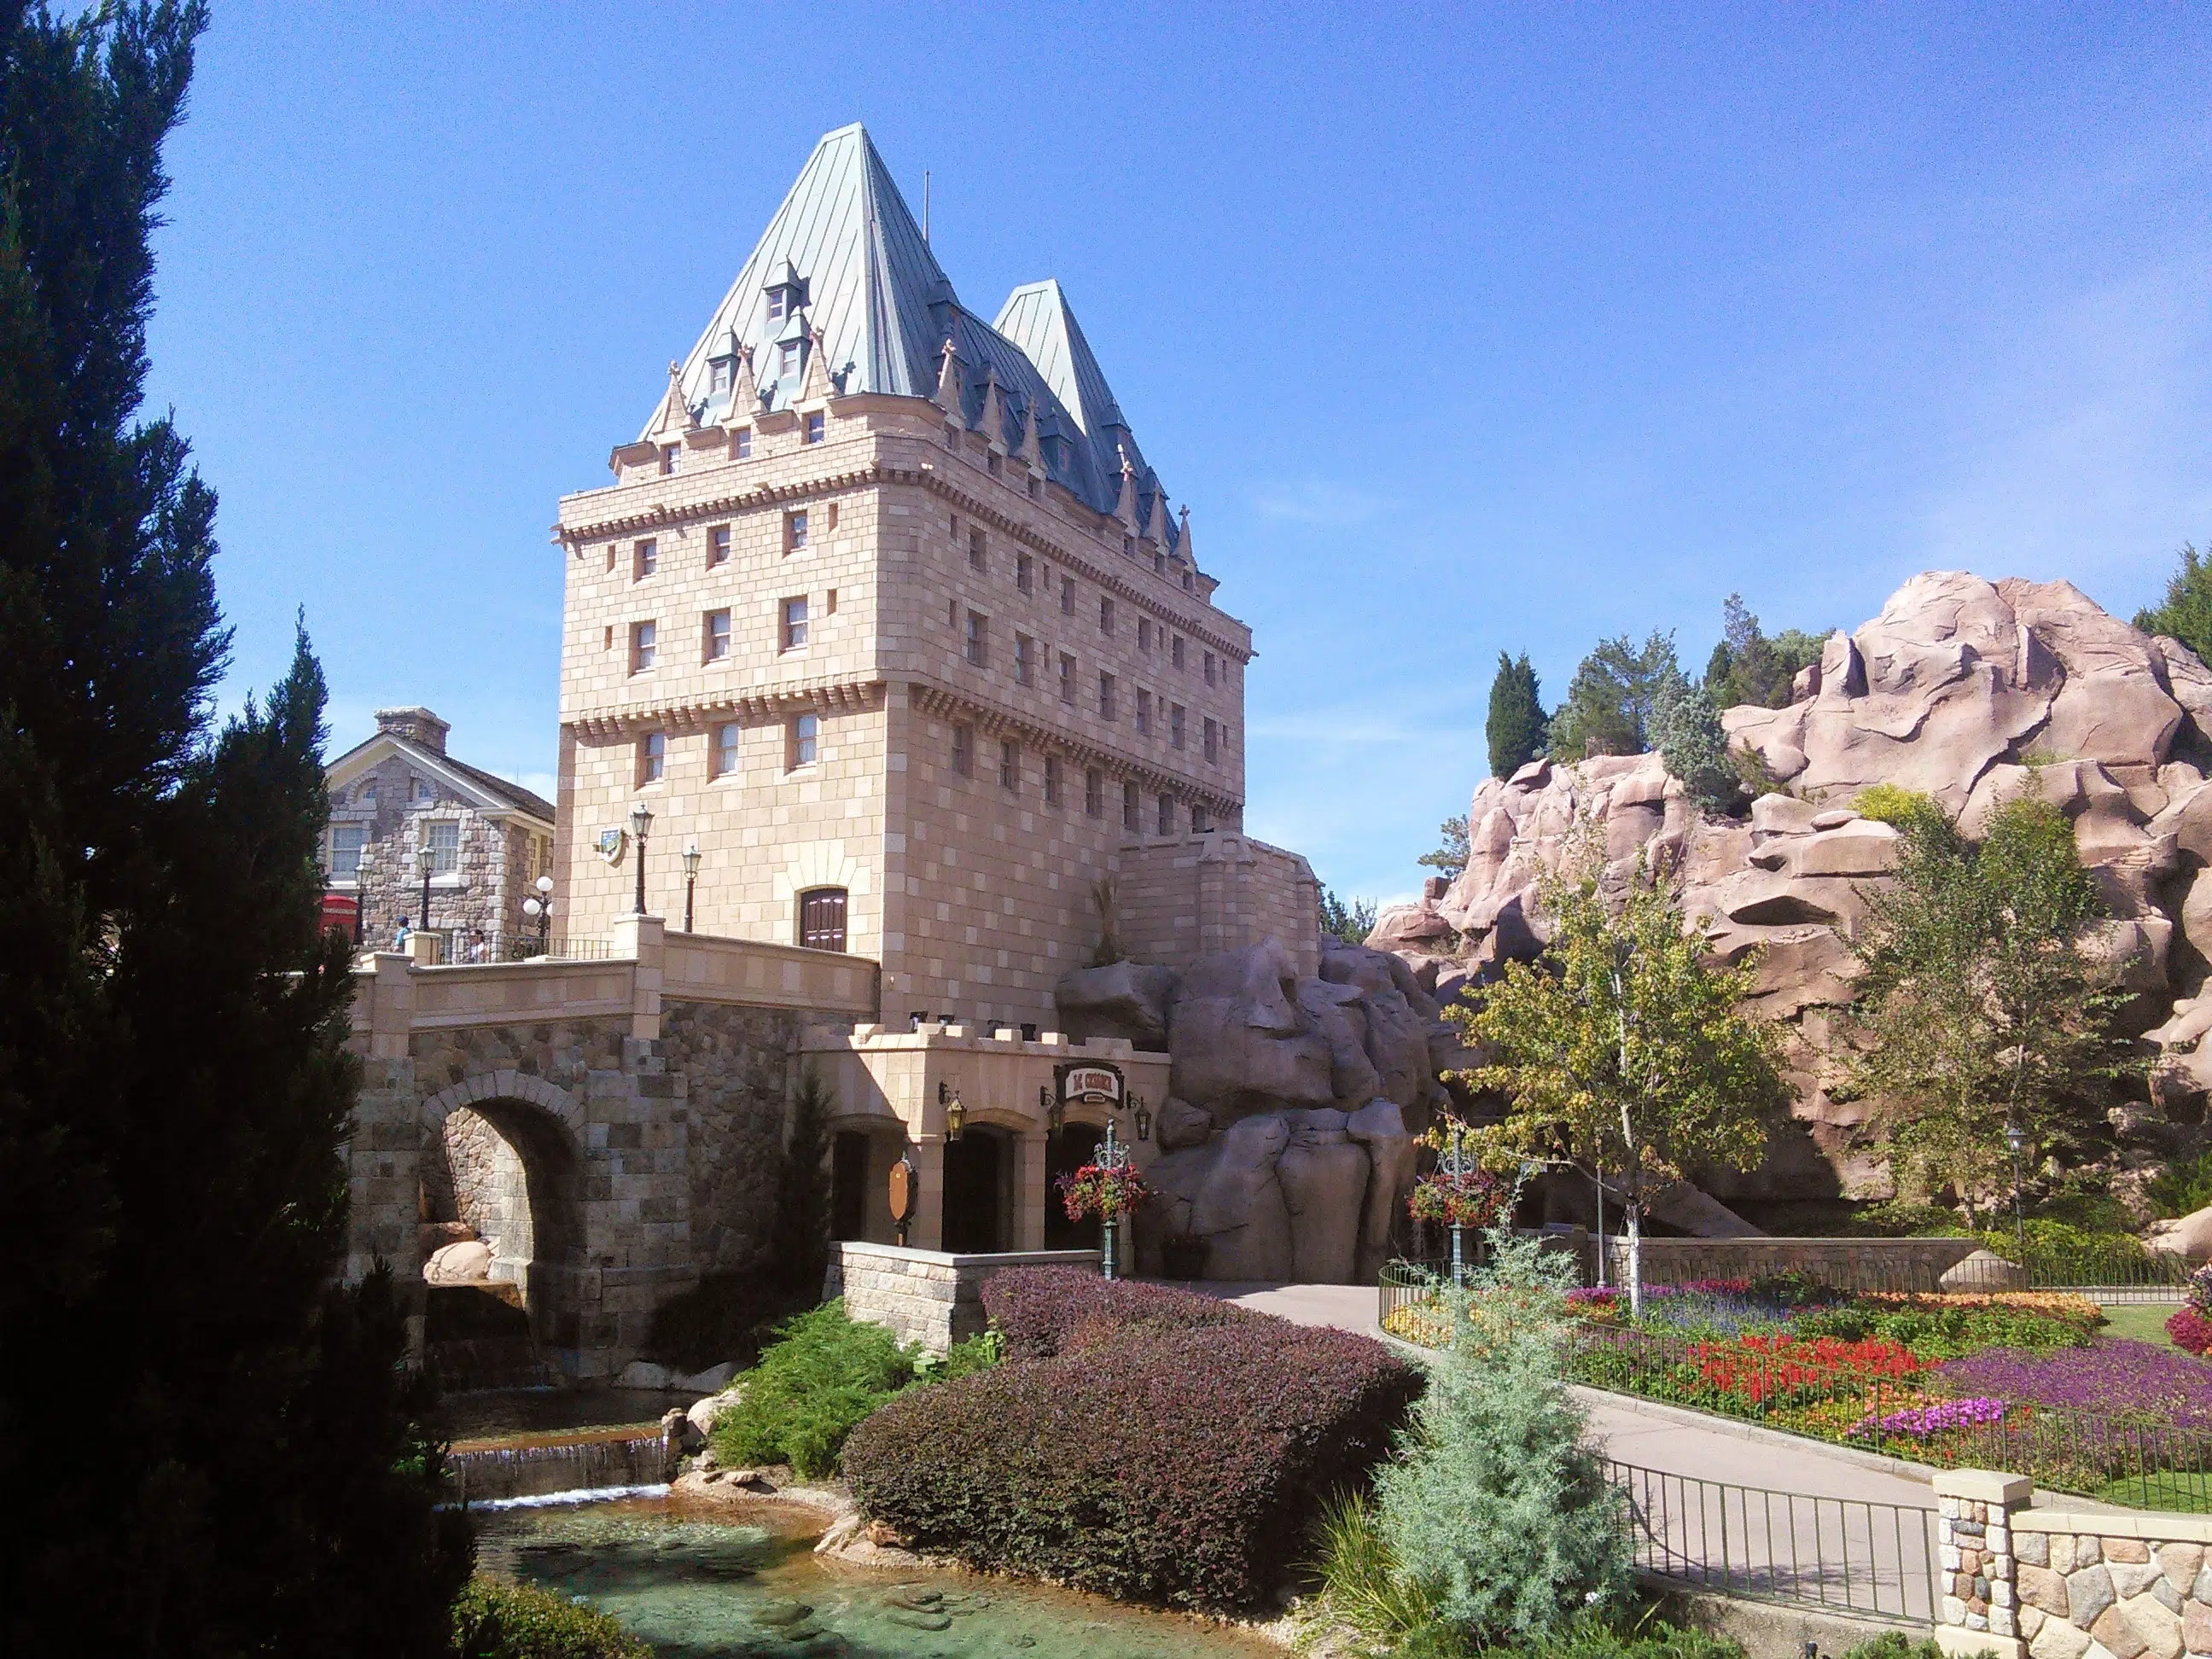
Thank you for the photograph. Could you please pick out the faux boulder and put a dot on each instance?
(468, 1262)
(1120, 999)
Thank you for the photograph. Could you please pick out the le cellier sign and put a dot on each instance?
(1089, 1083)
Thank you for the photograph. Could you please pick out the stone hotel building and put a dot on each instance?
(886, 615)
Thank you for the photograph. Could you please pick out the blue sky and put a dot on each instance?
(1459, 330)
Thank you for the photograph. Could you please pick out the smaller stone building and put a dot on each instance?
(490, 840)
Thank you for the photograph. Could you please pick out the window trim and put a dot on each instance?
(711, 638)
(791, 623)
(725, 760)
(651, 757)
(803, 731)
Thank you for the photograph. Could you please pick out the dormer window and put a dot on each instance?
(785, 294)
(671, 457)
(777, 299)
(788, 360)
(718, 374)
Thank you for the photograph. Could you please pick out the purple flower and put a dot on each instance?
(2110, 1378)
(1921, 1421)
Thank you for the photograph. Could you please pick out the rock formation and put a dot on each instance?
(1288, 1140)
(1965, 689)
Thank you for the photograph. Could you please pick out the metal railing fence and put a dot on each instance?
(463, 950)
(1846, 1555)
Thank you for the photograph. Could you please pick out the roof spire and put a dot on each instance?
(1027, 447)
(744, 391)
(1182, 541)
(814, 377)
(674, 414)
(950, 384)
(992, 420)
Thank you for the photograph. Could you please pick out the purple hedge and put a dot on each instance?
(1180, 1466)
(2110, 1377)
(1040, 1310)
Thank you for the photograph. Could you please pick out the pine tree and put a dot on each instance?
(1609, 700)
(1450, 856)
(173, 1088)
(1516, 726)
(1747, 667)
(1694, 745)
(800, 1255)
(2187, 613)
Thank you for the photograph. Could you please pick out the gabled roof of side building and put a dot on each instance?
(885, 309)
(480, 789)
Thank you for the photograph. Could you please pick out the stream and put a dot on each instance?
(687, 1578)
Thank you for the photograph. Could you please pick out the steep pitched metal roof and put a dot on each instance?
(885, 309)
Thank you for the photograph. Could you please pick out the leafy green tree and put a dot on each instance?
(1515, 726)
(1450, 857)
(1352, 923)
(1496, 1514)
(174, 1090)
(2187, 613)
(1610, 700)
(1747, 667)
(1979, 1008)
(1622, 1048)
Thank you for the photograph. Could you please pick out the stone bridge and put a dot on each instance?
(611, 1127)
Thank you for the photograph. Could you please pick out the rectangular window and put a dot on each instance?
(718, 635)
(1144, 713)
(816, 429)
(744, 443)
(1175, 724)
(1190, 582)
(833, 515)
(794, 623)
(651, 757)
(720, 380)
(1094, 792)
(1159, 563)
(1128, 547)
(806, 740)
(1025, 572)
(1213, 741)
(952, 614)
(671, 457)
(1105, 616)
(610, 558)
(976, 550)
(1066, 597)
(1052, 780)
(1036, 488)
(794, 530)
(963, 751)
(444, 840)
(775, 305)
(1106, 707)
(644, 646)
(1068, 679)
(979, 639)
(829, 603)
(1175, 651)
(822, 918)
(1132, 812)
(718, 544)
(346, 842)
(725, 750)
(645, 559)
(1200, 823)
(1166, 820)
(991, 464)
(787, 360)
(1210, 672)
(1144, 634)
(1025, 650)
(1010, 765)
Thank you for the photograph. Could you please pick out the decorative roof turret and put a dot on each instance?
(951, 385)
(992, 422)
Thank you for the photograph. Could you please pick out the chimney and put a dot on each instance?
(417, 726)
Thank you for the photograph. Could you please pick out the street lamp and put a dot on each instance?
(360, 894)
(1455, 1165)
(641, 824)
(1113, 1157)
(539, 909)
(424, 858)
(690, 881)
(2016, 1141)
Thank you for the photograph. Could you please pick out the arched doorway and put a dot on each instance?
(1075, 1146)
(505, 1173)
(978, 1168)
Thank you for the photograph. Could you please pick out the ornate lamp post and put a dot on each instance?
(1455, 1165)
(360, 894)
(640, 825)
(690, 881)
(2015, 1142)
(539, 909)
(1114, 1158)
(424, 858)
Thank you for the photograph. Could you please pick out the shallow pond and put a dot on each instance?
(696, 1586)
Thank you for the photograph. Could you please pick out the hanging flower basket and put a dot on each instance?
(1474, 1199)
(1098, 1190)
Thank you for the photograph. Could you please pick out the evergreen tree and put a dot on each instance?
(1747, 667)
(1516, 726)
(800, 1255)
(1610, 699)
(1450, 856)
(173, 1088)
(1351, 922)
(1694, 745)
(2187, 613)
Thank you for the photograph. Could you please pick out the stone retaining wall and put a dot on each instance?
(2034, 1584)
(927, 1296)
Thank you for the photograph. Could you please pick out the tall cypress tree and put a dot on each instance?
(214, 1440)
(1515, 726)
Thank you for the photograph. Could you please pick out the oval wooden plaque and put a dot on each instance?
(902, 1192)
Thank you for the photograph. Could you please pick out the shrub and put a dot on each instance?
(2182, 1189)
(1495, 1507)
(823, 1375)
(2191, 1331)
(499, 1619)
(1040, 1310)
(1158, 1463)
(725, 1316)
(1892, 803)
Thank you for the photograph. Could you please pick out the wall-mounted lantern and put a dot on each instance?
(1048, 1105)
(956, 1111)
(1144, 1118)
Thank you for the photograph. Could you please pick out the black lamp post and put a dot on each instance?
(2015, 1140)
(690, 881)
(539, 909)
(640, 825)
(360, 893)
(424, 858)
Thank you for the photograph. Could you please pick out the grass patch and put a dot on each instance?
(2182, 1493)
(2140, 1321)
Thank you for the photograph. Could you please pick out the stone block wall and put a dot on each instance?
(1186, 896)
(738, 1069)
(927, 1296)
(2023, 1582)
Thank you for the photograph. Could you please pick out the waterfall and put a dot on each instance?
(479, 1473)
